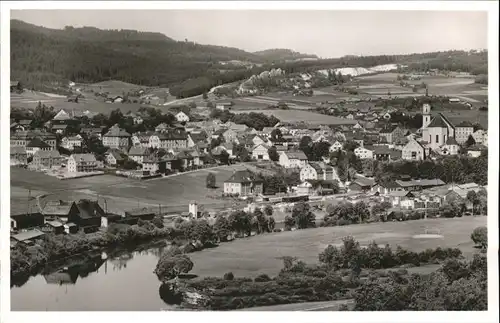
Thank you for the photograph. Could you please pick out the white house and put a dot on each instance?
(70, 143)
(138, 154)
(258, 140)
(363, 153)
(260, 152)
(293, 159)
(82, 163)
(223, 106)
(413, 150)
(62, 115)
(480, 136)
(182, 117)
(451, 147)
(318, 171)
(336, 146)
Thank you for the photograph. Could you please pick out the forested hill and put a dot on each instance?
(40, 55)
(87, 55)
(281, 54)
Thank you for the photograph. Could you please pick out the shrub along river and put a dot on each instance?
(101, 282)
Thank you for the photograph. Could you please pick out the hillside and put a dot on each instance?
(41, 55)
(44, 58)
(281, 54)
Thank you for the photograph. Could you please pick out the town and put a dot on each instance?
(252, 177)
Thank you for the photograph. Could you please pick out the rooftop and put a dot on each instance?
(243, 176)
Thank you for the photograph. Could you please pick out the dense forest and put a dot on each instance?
(281, 54)
(42, 56)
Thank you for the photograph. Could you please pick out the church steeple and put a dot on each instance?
(426, 115)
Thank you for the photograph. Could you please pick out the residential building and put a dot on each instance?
(382, 153)
(62, 116)
(476, 150)
(47, 159)
(162, 127)
(292, 159)
(363, 153)
(392, 133)
(260, 152)
(451, 147)
(142, 139)
(114, 157)
(18, 156)
(35, 145)
(413, 150)
(480, 137)
(336, 146)
(70, 143)
(318, 171)
(223, 106)
(402, 199)
(20, 221)
(116, 138)
(243, 183)
(89, 215)
(154, 164)
(361, 183)
(82, 163)
(462, 131)
(229, 135)
(182, 117)
(23, 138)
(138, 154)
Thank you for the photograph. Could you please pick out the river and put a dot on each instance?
(118, 283)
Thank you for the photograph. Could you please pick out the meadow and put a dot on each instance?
(118, 194)
(263, 254)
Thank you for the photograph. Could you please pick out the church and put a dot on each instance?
(439, 131)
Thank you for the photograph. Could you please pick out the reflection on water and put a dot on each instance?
(117, 281)
(69, 275)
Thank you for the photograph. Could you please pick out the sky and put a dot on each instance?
(327, 34)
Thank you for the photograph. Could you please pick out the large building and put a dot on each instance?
(82, 163)
(438, 130)
(116, 138)
(23, 138)
(243, 183)
(318, 171)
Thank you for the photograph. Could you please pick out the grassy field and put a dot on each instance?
(172, 193)
(262, 254)
(463, 88)
(299, 115)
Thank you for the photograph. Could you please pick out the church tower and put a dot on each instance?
(426, 115)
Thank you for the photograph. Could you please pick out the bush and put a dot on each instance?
(228, 276)
(480, 237)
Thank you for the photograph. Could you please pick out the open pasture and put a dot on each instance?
(30, 100)
(172, 193)
(263, 254)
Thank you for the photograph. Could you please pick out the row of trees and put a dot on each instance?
(253, 120)
(458, 170)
